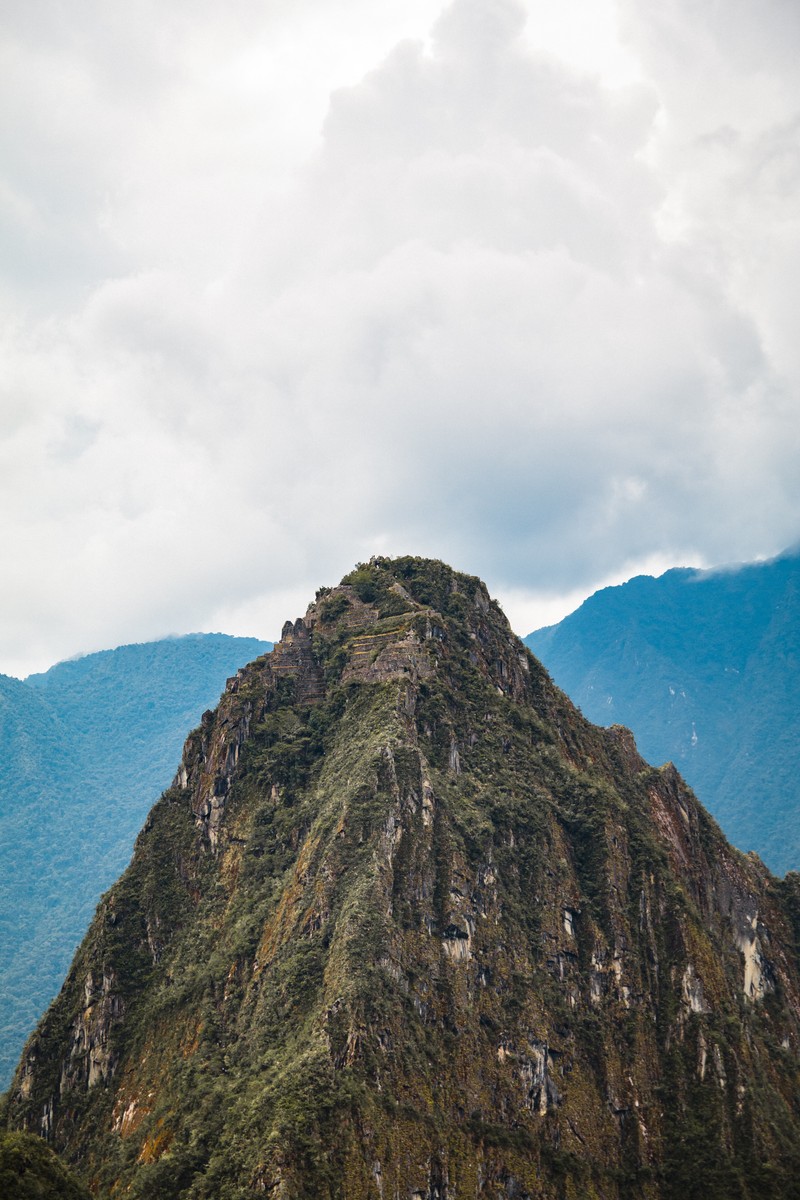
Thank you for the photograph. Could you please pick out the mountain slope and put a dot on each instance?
(84, 751)
(704, 667)
(406, 925)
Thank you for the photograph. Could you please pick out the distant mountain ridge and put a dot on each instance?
(703, 667)
(84, 751)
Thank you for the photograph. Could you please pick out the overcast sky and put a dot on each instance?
(287, 284)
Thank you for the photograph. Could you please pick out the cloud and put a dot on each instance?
(488, 308)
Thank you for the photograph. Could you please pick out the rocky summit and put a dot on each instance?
(407, 927)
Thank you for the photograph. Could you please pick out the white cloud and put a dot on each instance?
(477, 303)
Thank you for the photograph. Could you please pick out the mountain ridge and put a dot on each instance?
(702, 665)
(84, 750)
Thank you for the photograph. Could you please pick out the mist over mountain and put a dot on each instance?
(84, 750)
(704, 667)
(406, 925)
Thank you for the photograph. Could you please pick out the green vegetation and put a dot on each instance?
(29, 1170)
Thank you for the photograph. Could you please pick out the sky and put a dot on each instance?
(285, 285)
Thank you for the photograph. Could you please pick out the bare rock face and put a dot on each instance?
(405, 925)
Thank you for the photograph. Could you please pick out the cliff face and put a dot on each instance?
(406, 926)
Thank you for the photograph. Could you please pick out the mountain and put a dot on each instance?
(407, 925)
(84, 751)
(704, 667)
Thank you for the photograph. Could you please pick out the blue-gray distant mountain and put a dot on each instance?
(703, 667)
(85, 749)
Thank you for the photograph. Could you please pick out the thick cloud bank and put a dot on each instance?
(285, 291)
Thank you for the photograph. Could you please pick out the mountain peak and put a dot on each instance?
(407, 925)
(389, 621)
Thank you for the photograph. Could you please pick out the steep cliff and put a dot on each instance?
(407, 926)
